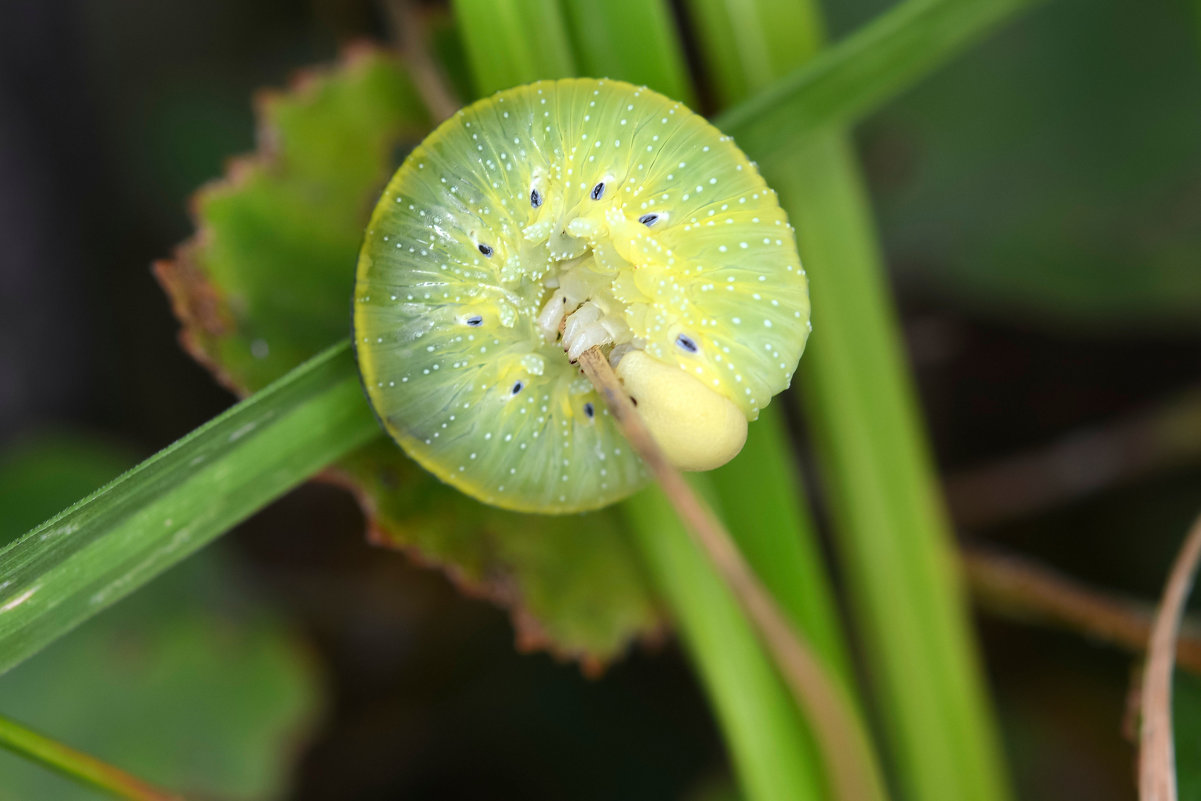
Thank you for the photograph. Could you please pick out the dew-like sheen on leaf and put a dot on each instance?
(597, 195)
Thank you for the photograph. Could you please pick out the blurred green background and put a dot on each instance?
(1040, 206)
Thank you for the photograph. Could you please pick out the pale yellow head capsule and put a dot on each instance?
(697, 428)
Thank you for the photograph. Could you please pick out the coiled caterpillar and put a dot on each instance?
(543, 221)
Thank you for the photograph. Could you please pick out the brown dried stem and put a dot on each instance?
(1021, 589)
(853, 772)
(1157, 757)
(1118, 452)
(408, 27)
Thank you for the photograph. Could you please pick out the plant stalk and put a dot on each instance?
(178, 500)
(894, 543)
(1157, 755)
(78, 766)
(853, 773)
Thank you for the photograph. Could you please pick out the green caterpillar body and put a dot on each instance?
(593, 202)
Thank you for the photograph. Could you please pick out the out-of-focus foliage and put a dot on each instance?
(1074, 194)
(44, 473)
(265, 283)
(192, 683)
(1186, 726)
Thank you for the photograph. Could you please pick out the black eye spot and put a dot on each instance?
(535, 198)
(517, 387)
(487, 251)
(634, 401)
(687, 343)
(648, 219)
(589, 410)
(475, 320)
(598, 191)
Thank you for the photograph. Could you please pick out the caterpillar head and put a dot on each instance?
(557, 217)
(697, 428)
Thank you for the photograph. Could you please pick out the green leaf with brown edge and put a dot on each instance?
(266, 281)
(572, 582)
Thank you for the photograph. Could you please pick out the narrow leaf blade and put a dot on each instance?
(895, 543)
(630, 40)
(508, 42)
(849, 79)
(117, 539)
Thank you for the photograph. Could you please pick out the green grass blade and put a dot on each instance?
(763, 498)
(511, 42)
(760, 493)
(862, 71)
(761, 489)
(150, 518)
(630, 40)
(894, 542)
(80, 767)
(771, 748)
(757, 41)
(748, 45)
(893, 537)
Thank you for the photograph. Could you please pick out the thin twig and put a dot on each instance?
(1019, 588)
(78, 766)
(1157, 758)
(854, 774)
(408, 29)
(1118, 452)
